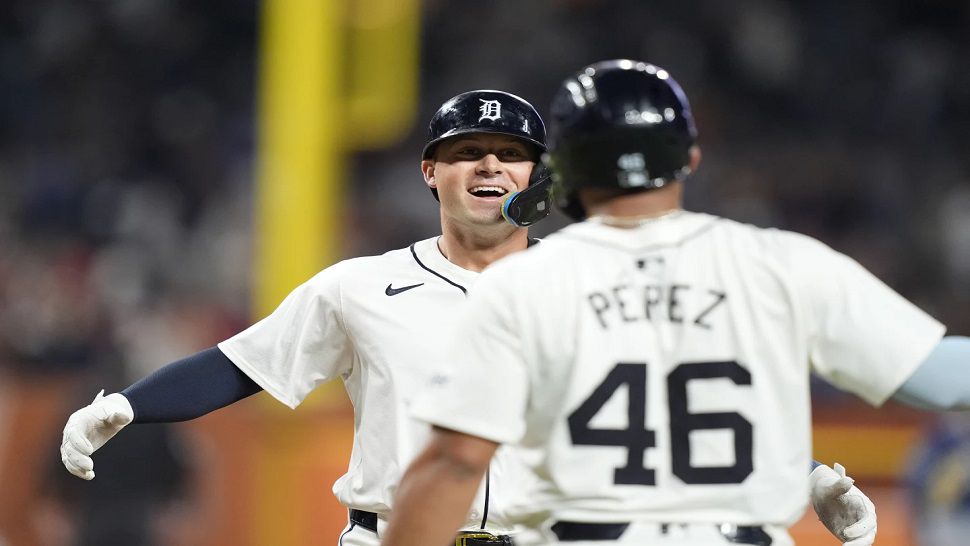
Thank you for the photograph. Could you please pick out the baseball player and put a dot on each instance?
(373, 322)
(654, 363)
(376, 323)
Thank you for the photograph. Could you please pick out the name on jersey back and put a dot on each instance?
(674, 303)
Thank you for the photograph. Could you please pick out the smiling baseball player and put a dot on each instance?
(375, 322)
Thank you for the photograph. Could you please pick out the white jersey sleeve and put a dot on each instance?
(864, 337)
(484, 363)
(299, 345)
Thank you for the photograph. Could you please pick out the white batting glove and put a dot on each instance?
(91, 427)
(844, 510)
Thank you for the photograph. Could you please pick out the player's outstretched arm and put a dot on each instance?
(844, 510)
(438, 488)
(186, 389)
(942, 382)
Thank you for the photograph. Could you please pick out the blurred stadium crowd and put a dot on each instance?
(127, 150)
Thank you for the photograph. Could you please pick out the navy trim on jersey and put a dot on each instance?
(465, 292)
(340, 541)
(435, 273)
(488, 484)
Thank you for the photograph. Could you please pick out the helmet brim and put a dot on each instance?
(430, 147)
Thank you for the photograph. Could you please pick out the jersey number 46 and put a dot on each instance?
(637, 437)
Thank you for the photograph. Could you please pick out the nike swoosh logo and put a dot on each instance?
(390, 291)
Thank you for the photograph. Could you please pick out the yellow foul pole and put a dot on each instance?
(299, 165)
(297, 216)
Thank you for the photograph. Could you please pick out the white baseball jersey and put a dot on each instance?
(662, 373)
(378, 323)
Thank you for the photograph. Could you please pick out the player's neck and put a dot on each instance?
(630, 210)
(475, 249)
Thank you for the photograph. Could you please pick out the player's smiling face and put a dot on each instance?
(474, 173)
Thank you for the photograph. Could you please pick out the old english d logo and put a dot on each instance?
(490, 109)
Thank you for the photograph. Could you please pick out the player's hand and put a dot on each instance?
(844, 510)
(89, 428)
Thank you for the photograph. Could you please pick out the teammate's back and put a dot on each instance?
(672, 363)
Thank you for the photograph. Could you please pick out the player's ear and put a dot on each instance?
(695, 157)
(427, 169)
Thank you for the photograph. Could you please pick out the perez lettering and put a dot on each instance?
(675, 303)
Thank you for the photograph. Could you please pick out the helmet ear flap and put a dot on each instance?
(526, 207)
(540, 173)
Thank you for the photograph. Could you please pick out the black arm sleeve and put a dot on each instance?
(189, 388)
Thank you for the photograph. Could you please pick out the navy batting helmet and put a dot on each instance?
(486, 111)
(618, 124)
